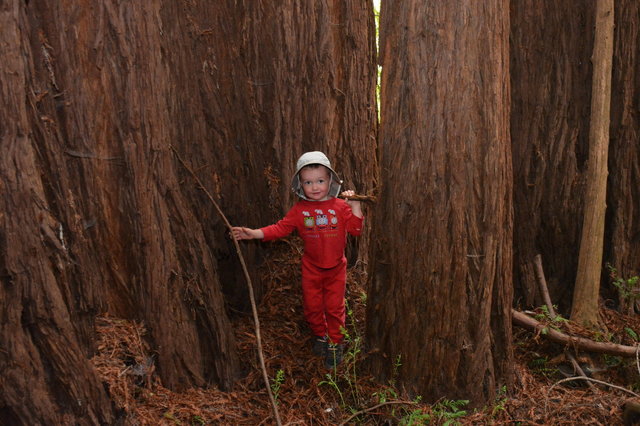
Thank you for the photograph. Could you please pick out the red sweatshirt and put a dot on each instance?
(323, 226)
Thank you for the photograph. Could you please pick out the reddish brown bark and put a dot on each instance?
(623, 191)
(551, 44)
(585, 305)
(97, 215)
(315, 90)
(440, 297)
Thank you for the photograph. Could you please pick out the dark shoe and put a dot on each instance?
(333, 356)
(319, 346)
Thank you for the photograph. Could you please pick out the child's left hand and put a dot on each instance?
(355, 205)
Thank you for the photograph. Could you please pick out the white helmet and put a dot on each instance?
(315, 157)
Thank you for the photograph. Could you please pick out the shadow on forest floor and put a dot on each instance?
(308, 394)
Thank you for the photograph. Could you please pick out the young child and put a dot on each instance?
(322, 220)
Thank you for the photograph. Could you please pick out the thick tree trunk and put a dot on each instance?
(551, 43)
(97, 215)
(587, 288)
(95, 218)
(440, 297)
(623, 192)
(314, 84)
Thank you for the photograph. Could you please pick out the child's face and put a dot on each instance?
(315, 183)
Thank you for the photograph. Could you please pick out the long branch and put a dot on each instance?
(523, 320)
(256, 320)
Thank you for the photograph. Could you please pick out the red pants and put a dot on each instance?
(323, 299)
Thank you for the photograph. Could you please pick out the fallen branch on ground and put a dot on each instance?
(523, 320)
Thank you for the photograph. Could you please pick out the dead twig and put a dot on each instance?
(542, 285)
(570, 379)
(544, 290)
(579, 370)
(249, 284)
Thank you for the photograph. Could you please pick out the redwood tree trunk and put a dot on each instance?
(440, 296)
(551, 43)
(98, 216)
(314, 86)
(584, 308)
(623, 192)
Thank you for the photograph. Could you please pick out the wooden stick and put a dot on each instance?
(579, 370)
(590, 380)
(523, 320)
(357, 197)
(256, 320)
(542, 283)
(611, 385)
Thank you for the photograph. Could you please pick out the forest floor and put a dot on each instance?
(309, 394)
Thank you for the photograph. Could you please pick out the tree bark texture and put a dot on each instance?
(440, 297)
(98, 216)
(551, 44)
(623, 192)
(584, 308)
(315, 85)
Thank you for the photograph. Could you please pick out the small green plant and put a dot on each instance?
(599, 336)
(446, 412)
(197, 420)
(277, 384)
(545, 315)
(612, 361)
(332, 381)
(416, 417)
(397, 364)
(385, 394)
(631, 333)
(540, 365)
(500, 401)
(332, 377)
(396, 370)
(344, 380)
(354, 347)
(169, 416)
(627, 288)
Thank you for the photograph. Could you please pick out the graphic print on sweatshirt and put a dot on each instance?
(309, 221)
(333, 219)
(321, 220)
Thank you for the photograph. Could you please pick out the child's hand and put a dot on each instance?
(242, 233)
(355, 205)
